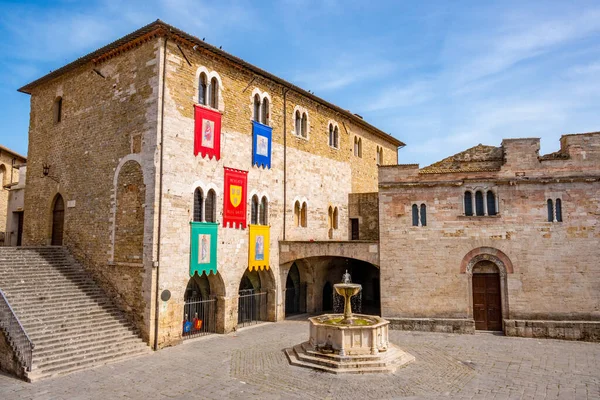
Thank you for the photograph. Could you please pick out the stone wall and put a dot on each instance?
(9, 361)
(8, 175)
(365, 207)
(104, 114)
(546, 268)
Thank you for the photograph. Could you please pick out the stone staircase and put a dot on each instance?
(68, 317)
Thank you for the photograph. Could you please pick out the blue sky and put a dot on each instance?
(441, 76)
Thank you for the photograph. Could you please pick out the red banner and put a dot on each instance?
(207, 132)
(234, 203)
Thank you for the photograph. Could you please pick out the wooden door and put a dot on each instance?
(58, 221)
(487, 309)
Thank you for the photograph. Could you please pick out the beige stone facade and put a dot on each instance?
(541, 237)
(10, 162)
(121, 158)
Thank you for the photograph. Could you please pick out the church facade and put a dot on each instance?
(495, 238)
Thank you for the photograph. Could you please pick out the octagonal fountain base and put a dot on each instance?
(360, 346)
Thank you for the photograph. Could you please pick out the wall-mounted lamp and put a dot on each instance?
(46, 172)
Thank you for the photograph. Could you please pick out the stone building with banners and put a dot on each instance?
(201, 192)
(495, 238)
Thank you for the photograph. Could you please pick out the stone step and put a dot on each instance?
(33, 327)
(64, 369)
(96, 326)
(291, 355)
(36, 309)
(42, 353)
(57, 359)
(61, 288)
(43, 301)
(47, 342)
(339, 363)
(34, 293)
(19, 282)
(49, 317)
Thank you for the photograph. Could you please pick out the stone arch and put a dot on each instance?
(57, 220)
(497, 258)
(486, 253)
(205, 295)
(130, 197)
(253, 282)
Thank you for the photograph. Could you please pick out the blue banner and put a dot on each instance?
(261, 144)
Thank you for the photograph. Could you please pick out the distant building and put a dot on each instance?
(495, 238)
(10, 161)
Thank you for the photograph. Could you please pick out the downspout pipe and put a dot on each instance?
(285, 90)
(160, 193)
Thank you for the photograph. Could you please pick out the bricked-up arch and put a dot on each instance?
(486, 253)
(129, 215)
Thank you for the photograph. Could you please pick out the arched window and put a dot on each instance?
(254, 210)
(264, 211)
(550, 210)
(297, 213)
(379, 155)
(256, 116)
(2, 176)
(491, 203)
(468, 204)
(330, 222)
(304, 125)
(335, 218)
(478, 203)
(210, 206)
(303, 216)
(336, 138)
(214, 93)
(415, 215)
(357, 146)
(265, 111)
(58, 110)
(202, 85)
(198, 204)
(331, 135)
(298, 123)
(558, 206)
(423, 215)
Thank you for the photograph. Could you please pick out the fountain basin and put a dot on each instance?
(331, 333)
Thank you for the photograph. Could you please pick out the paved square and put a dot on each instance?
(251, 364)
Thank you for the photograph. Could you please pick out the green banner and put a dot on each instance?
(203, 247)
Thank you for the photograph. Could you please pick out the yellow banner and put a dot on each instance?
(258, 248)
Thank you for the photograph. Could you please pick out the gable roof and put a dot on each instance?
(7, 150)
(479, 158)
(160, 28)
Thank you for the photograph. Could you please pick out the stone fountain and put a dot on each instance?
(348, 343)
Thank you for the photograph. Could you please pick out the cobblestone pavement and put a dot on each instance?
(251, 364)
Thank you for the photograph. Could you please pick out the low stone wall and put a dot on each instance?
(448, 325)
(8, 359)
(568, 330)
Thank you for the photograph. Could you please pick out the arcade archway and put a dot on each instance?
(256, 297)
(203, 305)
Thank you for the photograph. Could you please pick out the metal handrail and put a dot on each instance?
(15, 333)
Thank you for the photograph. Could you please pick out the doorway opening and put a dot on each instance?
(487, 302)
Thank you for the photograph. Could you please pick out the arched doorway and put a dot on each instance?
(58, 221)
(255, 297)
(487, 302)
(295, 292)
(327, 297)
(201, 308)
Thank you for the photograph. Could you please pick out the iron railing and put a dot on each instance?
(15, 333)
(199, 317)
(252, 307)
